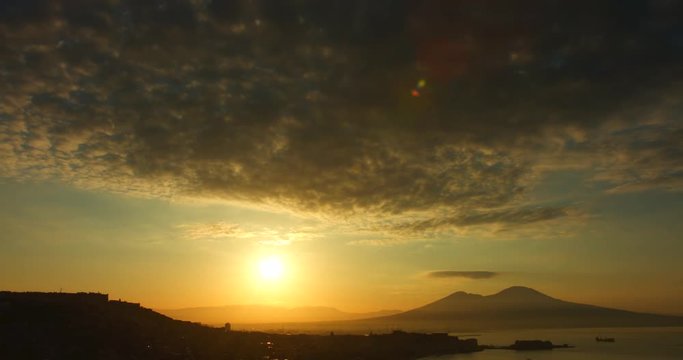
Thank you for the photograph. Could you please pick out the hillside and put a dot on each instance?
(516, 307)
(90, 326)
(255, 314)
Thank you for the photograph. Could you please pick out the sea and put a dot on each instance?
(630, 343)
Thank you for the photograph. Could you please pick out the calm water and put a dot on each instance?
(631, 343)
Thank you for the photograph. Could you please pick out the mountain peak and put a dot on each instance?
(460, 295)
(517, 307)
(519, 291)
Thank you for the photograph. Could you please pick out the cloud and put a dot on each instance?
(474, 275)
(272, 236)
(505, 217)
(211, 231)
(381, 242)
(307, 108)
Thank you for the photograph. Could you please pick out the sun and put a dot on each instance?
(271, 268)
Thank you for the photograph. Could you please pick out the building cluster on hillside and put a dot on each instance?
(89, 325)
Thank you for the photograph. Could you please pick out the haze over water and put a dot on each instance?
(630, 344)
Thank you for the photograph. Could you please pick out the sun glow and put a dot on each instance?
(271, 268)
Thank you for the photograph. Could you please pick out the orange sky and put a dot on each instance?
(160, 152)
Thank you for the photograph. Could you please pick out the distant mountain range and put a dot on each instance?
(258, 314)
(516, 307)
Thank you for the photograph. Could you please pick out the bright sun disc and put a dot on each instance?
(270, 268)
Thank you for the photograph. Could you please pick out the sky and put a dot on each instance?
(385, 153)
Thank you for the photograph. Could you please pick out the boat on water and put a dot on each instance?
(604, 339)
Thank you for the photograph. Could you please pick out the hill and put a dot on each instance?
(259, 314)
(90, 326)
(516, 307)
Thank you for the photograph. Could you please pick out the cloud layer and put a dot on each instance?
(273, 236)
(307, 106)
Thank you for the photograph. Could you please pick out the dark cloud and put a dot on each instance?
(307, 104)
(448, 274)
(505, 217)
